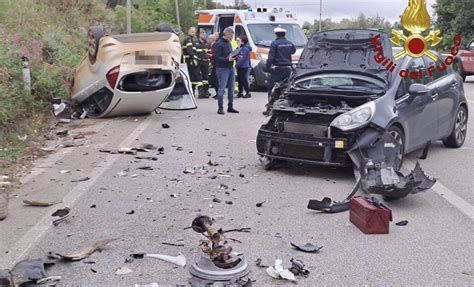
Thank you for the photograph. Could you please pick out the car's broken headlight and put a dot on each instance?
(355, 118)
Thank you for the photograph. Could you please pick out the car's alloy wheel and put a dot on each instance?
(458, 135)
(398, 136)
(461, 126)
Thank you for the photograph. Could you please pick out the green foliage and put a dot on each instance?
(361, 22)
(52, 34)
(455, 17)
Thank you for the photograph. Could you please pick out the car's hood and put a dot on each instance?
(346, 50)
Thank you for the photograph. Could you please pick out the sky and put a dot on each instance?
(308, 10)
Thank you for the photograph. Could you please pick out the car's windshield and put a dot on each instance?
(263, 35)
(340, 82)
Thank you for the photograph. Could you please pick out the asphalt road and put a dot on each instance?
(435, 248)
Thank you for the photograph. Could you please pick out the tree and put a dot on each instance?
(455, 17)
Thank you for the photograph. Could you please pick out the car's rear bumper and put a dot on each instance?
(303, 148)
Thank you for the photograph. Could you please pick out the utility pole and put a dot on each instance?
(205, 4)
(320, 13)
(129, 16)
(177, 14)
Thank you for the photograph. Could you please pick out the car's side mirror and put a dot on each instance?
(418, 90)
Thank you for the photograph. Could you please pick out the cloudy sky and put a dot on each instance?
(307, 10)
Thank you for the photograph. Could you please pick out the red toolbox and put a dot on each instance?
(369, 215)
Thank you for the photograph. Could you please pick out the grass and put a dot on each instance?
(52, 34)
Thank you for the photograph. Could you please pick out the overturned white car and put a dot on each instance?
(131, 74)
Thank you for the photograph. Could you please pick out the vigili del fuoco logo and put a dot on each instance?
(416, 43)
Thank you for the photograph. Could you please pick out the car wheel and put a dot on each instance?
(458, 134)
(253, 81)
(93, 36)
(400, 138)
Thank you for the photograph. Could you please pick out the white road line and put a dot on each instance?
(27, 241)
(450, 196)
(37, 171)
(470, 101)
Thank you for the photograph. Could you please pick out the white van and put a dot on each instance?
(258, 26)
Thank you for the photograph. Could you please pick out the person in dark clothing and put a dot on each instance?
(279, 62)
(225, 71)
(213, 77)
(203, 65)
(190, 58)
(243, 68)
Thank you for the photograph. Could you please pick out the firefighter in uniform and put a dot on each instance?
(278, 63)
(203, 65)
(190, 58)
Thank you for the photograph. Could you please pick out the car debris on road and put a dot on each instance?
(308, 247)
(83, 252)
(26, 271)
(63, 214)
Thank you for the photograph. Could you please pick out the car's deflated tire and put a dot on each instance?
(458, 134)
(93, 36)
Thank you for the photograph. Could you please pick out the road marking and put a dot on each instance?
(471, 101)
(28, 240)
(450, 196)
(57, 156)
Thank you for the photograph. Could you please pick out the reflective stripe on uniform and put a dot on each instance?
(197, 84)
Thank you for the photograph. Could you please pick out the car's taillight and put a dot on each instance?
(112, 76)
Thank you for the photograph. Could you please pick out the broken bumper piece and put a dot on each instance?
(376, 157)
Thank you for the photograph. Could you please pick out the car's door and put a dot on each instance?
(444, 85)
(419, 115)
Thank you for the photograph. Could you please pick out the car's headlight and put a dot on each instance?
(355, 118)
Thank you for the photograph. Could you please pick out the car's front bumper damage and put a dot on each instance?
(372, 151)
(374, 155)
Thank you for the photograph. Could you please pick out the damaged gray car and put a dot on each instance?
(341, 107)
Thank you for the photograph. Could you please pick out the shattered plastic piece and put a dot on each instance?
(39, 203)
(375, 156)
(59, 108)
(179, 260)
(147, 157)
(145, 168)
(330, 206)
(223, 186)
(402, 223)
(127, 150)
(86, 251)
(278, 272)
(212, 163)
(165, 126)
(229, 202)
(63, 171)
(123, 270)
(49, 281)
(308, 247)
(81, 179)
(297, 268)
(217, 200)
(131, 212)
(23, 272)
(172, 244)
(62, 214)
(259, 204)
(258, 262)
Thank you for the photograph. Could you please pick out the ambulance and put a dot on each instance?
(258, 26)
